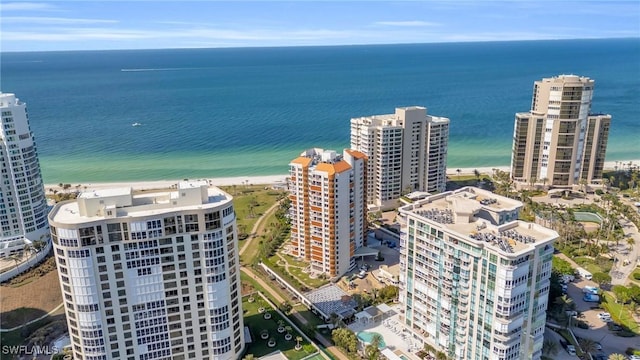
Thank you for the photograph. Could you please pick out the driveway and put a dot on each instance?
(598, 330)
(555, 337)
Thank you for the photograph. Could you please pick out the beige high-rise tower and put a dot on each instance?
(407, 151)
(559, 142)
(328, 208)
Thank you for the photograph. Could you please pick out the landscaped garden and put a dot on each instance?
(270, 332)
(287, 265)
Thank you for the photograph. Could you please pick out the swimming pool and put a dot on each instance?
(367, 336)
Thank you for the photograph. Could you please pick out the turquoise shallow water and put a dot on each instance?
(244, 112)
(367, 337)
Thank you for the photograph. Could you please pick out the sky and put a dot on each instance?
(106, 25)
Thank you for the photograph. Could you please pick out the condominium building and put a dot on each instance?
(559, 142)
(150, 275)
(407, 151)
(474, 280)
(23, 206)
(328, 208)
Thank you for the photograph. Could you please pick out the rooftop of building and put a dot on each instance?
(408, 113)
(466, 212)
(328, 161)
(101, 204)
(9, 99)
(564, 78)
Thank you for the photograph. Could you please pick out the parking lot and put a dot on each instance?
(598, 330)
(366, 284)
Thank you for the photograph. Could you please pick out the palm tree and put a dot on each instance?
(441, 356)
(372, 351)
(458, 171)
(549, 348)
(16, 258)
(631, 242)
(298, 339)
(617, 357)
(477, 174)
(248, 357)
(429, 349)
(587, 345)
(566, 303)
(544, 182)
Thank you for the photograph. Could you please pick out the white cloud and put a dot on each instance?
(54, 20)
(25, 6)
(205, 35)
(413, 23)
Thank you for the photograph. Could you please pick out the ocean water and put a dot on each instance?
(249, 111)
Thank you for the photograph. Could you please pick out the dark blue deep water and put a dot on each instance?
(248, 111)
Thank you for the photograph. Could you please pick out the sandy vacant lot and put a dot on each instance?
(40, 296)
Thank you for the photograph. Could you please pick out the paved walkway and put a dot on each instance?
(259, 225)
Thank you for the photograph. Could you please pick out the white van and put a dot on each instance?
(584, 273)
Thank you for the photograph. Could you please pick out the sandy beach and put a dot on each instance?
(264, 180)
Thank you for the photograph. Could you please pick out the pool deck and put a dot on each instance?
(394, 334)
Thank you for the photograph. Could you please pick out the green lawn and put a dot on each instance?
(312, 319)
(243, 196)
(256, 323)
(620, 314)
(632, 278)
(593, 266)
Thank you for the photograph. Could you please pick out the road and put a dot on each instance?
(626, 254)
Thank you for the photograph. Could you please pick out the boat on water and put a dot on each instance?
(136, 124)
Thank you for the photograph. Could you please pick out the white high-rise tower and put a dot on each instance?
(23, 206)
(152, 275)
(407, 151)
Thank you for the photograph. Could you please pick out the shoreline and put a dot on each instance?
(264, 179)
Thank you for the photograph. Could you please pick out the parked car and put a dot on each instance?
(634, 357)
(598, 346)
(571, 350)
(604, 315)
